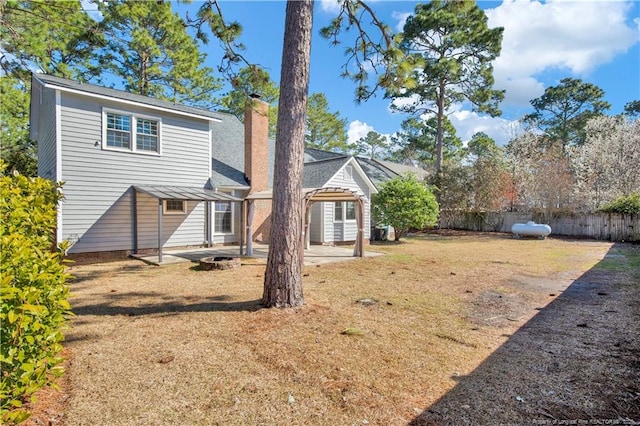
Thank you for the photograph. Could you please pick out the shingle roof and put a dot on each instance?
(317, 173)
(376, 172)
(313, 154)
(126, 96)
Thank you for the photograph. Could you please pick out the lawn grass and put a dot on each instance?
(173, 345)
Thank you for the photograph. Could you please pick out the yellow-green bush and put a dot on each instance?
(33, 292)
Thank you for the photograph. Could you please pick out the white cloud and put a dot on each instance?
(358, 129)
(572, 35)
(468, 123)
(402, 19)
(330, 6)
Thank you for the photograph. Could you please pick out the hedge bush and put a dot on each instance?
(405, 203)
(33, 292)
(625, 205)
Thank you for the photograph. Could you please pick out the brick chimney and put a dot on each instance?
(256, 144)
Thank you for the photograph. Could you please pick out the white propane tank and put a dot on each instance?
(530, 229)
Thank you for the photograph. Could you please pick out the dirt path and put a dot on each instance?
(576, 362)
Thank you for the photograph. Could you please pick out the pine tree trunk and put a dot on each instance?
(283, 277)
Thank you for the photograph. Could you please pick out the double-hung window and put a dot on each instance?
(131, 132)
(223, 217)
(344, 210)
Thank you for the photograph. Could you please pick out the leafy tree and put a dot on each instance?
(563, 110)
(482, 146)
(632, 109)
(490, 183)
(456, 48)
(372, 142)
(252, 80)
(405, 203)
(625, 205)
(55, 38)
(416, 142)
(453, 187)
(18, 151)
(150, 49)
(541, 173)
(606, 165)
(325, 129)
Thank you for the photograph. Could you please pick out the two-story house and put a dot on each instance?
(142, 174)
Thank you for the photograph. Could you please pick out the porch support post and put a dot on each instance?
(159, 230)
(358, 250)
(207, 226)
(250, 208)
(243, 213)
(307, 215)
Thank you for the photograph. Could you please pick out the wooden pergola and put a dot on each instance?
(309, 196)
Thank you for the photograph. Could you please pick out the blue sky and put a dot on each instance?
(596, 41)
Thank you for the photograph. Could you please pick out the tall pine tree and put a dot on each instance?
(150, 49)
(455, 47)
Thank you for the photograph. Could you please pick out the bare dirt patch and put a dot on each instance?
(465, 329)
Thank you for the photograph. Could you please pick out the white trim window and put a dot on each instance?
(223, 217)
(174, 207)
(344, 211)
(131, 132)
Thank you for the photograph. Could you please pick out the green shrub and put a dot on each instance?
(405, 203)
(625, 205)
(33, 293)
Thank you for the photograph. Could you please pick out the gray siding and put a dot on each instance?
(347, 231)
(44, 118)
(97, 211)
(177, 229)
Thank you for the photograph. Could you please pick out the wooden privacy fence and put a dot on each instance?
(599, 226)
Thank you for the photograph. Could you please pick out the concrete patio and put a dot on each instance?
(315, 255)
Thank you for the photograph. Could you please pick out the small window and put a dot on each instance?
(129, 132)
(337, 211)
(223, 217)
(350, 211)
(175, 207)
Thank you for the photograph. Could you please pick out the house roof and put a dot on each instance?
(403, 169)
(317, 173)
(227, 164)
(314, 154)
(376, 172)
(105, 92)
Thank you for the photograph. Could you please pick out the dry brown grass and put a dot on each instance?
(174, 345)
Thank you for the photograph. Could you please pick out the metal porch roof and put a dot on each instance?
(185, 193)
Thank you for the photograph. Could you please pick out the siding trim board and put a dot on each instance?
(58, 122)
(126, 101)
